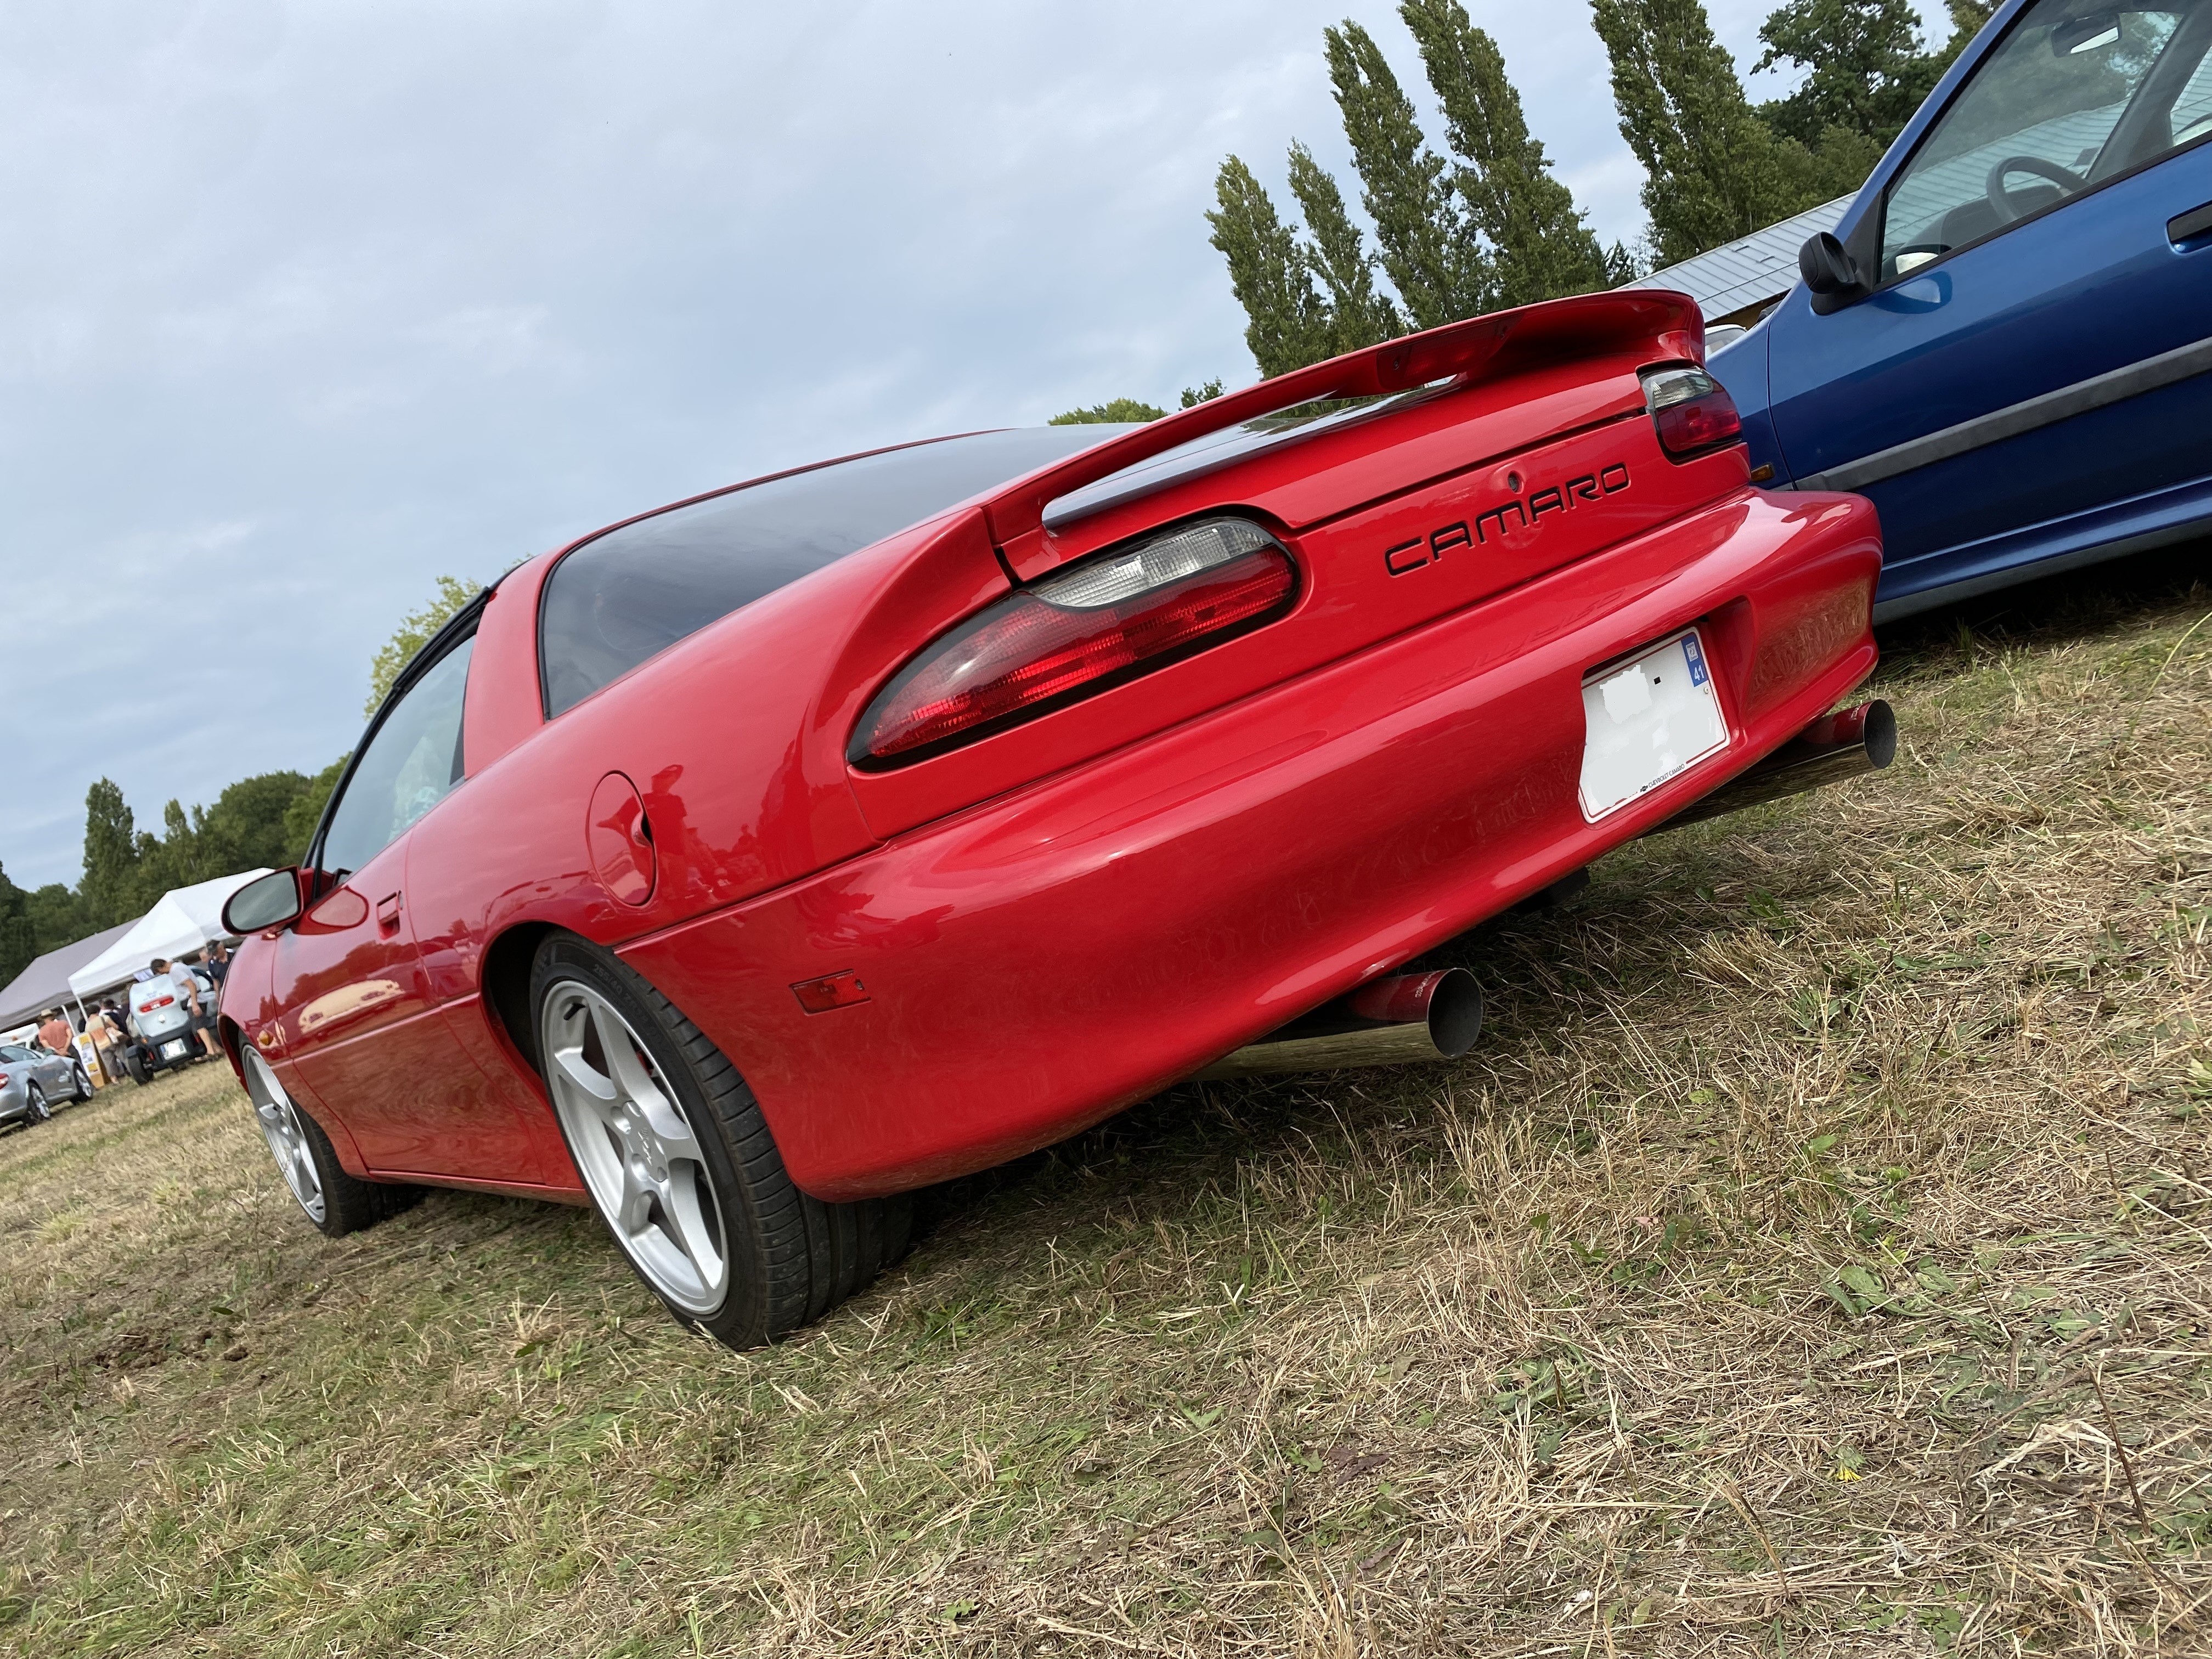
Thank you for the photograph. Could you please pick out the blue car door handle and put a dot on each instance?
(2189, 226)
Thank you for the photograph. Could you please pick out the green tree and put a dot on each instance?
(1713, 170)
(1435, 263)
(305, 812)
(59, 917)
(1869, 70)
(1286, 325)
(245, 830)
(109, 889)
(1967, 17)
(1193, 396)
(1539, 244)
(1336, 254)
(414, 633)
(19, 934)
(1121, 410)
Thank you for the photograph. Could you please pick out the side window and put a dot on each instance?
(411, 764)
(2046, 115)
(2191, 119)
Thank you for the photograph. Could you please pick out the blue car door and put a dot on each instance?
(2021, 376)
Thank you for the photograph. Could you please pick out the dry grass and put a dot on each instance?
(1812, 1259)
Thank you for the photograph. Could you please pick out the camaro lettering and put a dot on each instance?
(1519, 512)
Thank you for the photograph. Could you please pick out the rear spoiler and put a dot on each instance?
(1507, 342)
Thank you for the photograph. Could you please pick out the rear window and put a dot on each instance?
(628, 595)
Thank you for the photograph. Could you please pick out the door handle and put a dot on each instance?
(2189, 226)
(387, 914)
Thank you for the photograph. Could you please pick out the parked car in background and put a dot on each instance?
(2007, 343)
(31, 1080)
(161, 1021)
(746, 866)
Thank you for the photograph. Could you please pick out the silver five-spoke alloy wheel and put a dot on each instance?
(635, 1147)
(286, 1136)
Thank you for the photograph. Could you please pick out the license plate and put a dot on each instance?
(1646, 721)
(172, 1050)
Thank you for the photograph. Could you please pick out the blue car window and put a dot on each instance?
(2033, 126)
(2192, 112)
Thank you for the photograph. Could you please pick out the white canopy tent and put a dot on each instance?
(184, 919)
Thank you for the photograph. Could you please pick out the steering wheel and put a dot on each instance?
(2001, 199)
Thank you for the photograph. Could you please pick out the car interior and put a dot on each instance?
(2075, 97)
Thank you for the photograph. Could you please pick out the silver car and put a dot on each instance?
(30, 1078)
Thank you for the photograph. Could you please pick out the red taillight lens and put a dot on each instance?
(1692, 411)
(1077, 632)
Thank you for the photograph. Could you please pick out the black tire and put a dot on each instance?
(80, 1084)
(791, 1258)
(334, 1202)
(350, 1203)
(135, 1063)
(35, 1098)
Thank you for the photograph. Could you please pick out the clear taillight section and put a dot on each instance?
(1692, 411)
(1073, 633)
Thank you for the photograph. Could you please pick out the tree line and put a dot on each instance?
(264, 820)
(1480, 223)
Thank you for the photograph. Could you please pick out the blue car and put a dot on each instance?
(2007, 342)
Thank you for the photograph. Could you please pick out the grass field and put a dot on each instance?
(1813, 1258)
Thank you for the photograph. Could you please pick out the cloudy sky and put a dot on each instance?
(303, 305)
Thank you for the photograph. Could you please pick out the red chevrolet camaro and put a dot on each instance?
(744, 867)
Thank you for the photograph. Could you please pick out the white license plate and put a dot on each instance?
(172, 1050)
(1646, 721)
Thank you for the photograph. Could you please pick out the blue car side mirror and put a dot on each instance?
(1830, 272)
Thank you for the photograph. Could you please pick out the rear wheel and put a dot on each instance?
(336, 1202)
(135, 1063)
(680, 1165)
(35, 1098)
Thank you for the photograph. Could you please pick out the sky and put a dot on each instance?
(302, 305)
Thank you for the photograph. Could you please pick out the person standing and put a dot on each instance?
(187, 985)
(56, 1034)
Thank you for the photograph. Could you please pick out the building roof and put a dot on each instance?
(45, 983)
(1750, 271)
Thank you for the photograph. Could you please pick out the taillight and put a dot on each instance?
(1692, 411)
(1073, 633)
(158, 1002)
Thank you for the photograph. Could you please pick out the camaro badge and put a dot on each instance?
(1517, 512)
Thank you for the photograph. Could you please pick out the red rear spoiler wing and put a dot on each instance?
(1507, 342)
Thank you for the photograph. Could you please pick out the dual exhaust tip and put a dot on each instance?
(1409, 1020)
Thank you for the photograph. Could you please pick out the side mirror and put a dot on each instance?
(1829, 271)
(266, 901)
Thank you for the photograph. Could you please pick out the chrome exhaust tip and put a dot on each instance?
(1403, 1020)
(1843, 744)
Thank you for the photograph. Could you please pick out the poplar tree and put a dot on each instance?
(109, 891)
(1338, 255)
(1433, 261)
(1541, 246)
(1713, 171)
(1286, 324)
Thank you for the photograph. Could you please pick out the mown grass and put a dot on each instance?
(1813, 1258)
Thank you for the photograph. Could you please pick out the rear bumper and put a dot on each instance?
(1185, 895)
